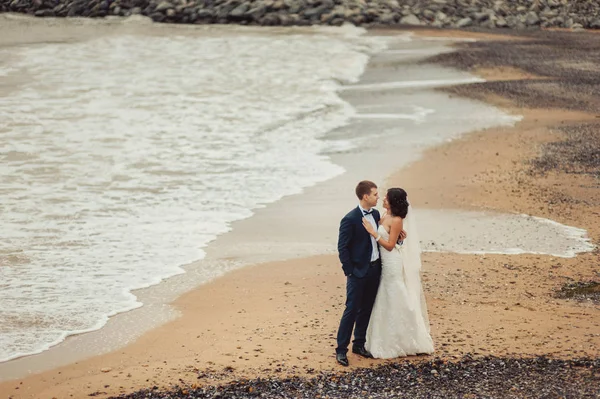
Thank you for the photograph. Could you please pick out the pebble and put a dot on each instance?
(488, 14)
(469, 377)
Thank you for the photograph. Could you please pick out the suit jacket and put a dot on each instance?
(354, 243)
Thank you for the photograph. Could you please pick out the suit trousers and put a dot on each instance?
(360, 297)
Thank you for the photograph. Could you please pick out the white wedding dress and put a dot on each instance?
(399, 324)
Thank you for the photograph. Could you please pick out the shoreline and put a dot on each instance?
(299, 358)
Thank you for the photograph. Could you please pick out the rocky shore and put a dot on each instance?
(514, 14)
(489, 377)
(564, 64)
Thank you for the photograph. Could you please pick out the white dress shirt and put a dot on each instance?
(371, 219)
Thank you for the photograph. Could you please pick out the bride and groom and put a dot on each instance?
(381, 259)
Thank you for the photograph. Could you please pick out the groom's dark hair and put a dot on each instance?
(364, 188)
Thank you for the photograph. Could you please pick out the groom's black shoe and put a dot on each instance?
(342, 359)
(360, 350)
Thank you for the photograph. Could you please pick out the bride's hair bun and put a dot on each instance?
(397, 198)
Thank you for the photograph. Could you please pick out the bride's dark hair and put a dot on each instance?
(398, 203)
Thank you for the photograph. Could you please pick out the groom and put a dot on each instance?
(359, 254)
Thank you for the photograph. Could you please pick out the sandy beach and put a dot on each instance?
(280, 318)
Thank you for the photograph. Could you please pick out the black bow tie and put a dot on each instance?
(367, 212)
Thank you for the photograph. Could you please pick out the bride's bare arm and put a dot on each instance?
(395, 229)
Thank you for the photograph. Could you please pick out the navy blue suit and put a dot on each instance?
(362, 278)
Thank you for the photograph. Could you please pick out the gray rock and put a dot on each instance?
(136, 11)
(270, 19)
(481, 16)
(488, 24)
(193, 17)
(463, 23)
(277, 5)
(501, 23)
(349, 14)
(157, 17)
(357, 19)
(285, 20)
(61, 8)
(327, 4)
(294, 19)
(372, 13)
(314, 12)
(595, 24)
(548, 13)
(520, 26)
(429, 14)
(222, 13)
(204, 13)
(294, 6)
(171, 13)
(337, 22)
(387, 18)
(532, 18)
(164, 5)
(258, 12)
(44, 13)
(239, 11)
(535, 6)
(569, 23)
(553, 3)
(392, 4)
(416, 10)
(410, 20)
(338, 12)
(558, 21)
(326, 18)
(440, 16)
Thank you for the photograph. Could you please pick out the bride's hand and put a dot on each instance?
(402, 235)
(368, 226)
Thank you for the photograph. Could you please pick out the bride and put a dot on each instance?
(399, 325)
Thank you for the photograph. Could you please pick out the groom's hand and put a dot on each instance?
(402, 235)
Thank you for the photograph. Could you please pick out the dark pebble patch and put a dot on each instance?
(582, 291)
(488, 377)
(577, 153)
(568, 62)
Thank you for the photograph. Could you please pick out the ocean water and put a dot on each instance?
(122, 156)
